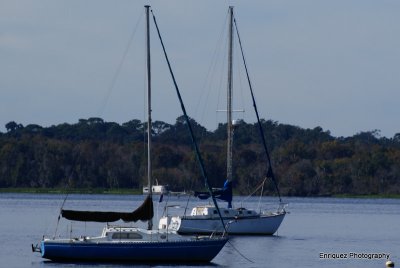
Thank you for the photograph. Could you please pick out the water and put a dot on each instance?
(314, 226)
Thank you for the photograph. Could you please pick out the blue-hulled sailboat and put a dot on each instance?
(132, 244)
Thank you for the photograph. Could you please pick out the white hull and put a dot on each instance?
(254, 224)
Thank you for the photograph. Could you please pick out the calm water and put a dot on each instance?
(314, 225)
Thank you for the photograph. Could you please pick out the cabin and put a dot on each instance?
(211, 212)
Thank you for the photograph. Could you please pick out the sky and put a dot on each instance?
(332, 64)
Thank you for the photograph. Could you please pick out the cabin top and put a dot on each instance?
(121, 233)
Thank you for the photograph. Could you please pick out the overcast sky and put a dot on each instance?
(333, 64)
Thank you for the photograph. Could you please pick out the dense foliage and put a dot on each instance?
(93, 153)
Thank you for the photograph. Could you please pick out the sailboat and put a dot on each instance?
(240, 221)
(126, 243)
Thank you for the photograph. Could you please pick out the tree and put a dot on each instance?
(94, 153)
(12, 126)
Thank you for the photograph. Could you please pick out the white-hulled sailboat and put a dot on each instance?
(241, 221)
(132, 244)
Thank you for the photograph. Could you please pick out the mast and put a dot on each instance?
(229, 99)
(149, 180)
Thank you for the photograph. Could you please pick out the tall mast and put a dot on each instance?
(229, 99)
(149, 180)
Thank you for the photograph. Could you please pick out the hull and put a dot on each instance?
(176, 251)
(261, 225)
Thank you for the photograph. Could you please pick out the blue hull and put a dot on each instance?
(187, 251)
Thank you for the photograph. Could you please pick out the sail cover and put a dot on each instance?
(224, 194)
(144, 212)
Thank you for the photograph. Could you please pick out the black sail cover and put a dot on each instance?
(144, 212)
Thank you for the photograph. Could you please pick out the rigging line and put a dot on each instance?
(59, 214)
(191, 186)
(261, 194)
(237, 57)
(119, 67)
(112, 84)
(189, 125)
(187, 204)
(270, 172)
(241, 254)
(190, 193)
(211, 68)
(258, 187)
(223, 69)
(69, 177)
(165, 206)
(144, 119)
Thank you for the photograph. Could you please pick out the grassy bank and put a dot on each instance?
(70, 191)
(367, 196)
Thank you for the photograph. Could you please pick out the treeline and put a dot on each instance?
(97, 154)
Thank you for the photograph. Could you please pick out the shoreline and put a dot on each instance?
(139, 192)
(371, 196)
(70, 191)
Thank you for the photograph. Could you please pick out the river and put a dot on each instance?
(318, 232)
